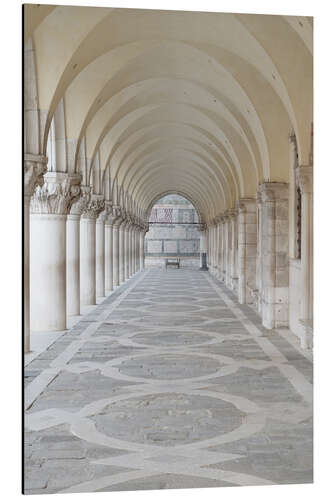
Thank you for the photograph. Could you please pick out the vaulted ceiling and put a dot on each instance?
(201, 104)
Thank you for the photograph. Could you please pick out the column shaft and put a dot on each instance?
(26, 273)
(48, 272)
(305, 181)
(115, 255)
(88, 261)
(246, 249)
(142, 250)
(73, 264)
(121, 254)
(100, 257)
(126, 245)
(234, 253)
(274, 254)
(108, 257)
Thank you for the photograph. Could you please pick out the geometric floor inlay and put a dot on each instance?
(168, 383)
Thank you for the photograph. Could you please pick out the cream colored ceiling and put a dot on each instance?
(196, 103)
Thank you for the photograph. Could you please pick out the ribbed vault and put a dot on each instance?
(145, 103)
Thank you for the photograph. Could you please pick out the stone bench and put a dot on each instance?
(172, 262)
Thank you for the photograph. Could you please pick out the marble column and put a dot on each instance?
(122, 253)
(34, 168)
(100, 253)
(247, 239)
(222, 249)
(260, 252)
(49, 208)
(142, 249)
(73, 252)
(126, 249)
(133, 249)
(203, 247)
(73, 263)
(218, 247)
(214, 247)
(274, 254)
(229, 258)
(137, 249)
(209, 241)
(234, 251)
(212, 253)
(108, 251)
(115, 247)
(304, 177)
(88, 250)
(225, 246)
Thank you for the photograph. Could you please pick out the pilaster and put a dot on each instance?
(247, 229)
(304, 178)
(274, 254)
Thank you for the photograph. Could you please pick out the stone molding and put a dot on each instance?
(95, 206)
(304, 178)
(35, 166)
(57, 194)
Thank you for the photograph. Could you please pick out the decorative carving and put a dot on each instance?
(243, 204)
(231, 213)
(34, 169)
(57, 194)
(94, 207)
(115, 217)
(103, 216)
(81, 203)
(272, 191)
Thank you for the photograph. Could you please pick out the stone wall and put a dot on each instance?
(173, 231)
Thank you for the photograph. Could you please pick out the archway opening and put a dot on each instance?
(173, 233)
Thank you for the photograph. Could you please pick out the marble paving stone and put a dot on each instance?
(168, 383)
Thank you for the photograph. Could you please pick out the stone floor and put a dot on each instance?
(168, 383)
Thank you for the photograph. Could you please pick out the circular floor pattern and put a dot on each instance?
(170, 366)
(171, 337)
(168, 419)
(175, 308)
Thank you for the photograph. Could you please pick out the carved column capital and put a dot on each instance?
(116, 216)
(34, 168)
(273, 191)
(231, 214)
(81, 203)
(94, 207)
(57, 194)
(304, 178)
(245, 205)
(106, 212)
